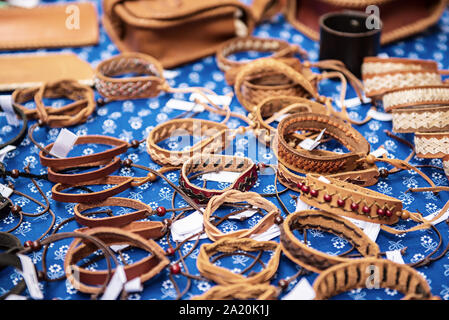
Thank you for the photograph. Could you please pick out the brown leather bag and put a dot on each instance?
(175, 31)
(400, 18)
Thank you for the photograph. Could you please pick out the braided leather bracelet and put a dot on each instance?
(387, 274)
(234, 196)
(225, 277)
(279, 48)
(87, 280)
(240, 291)
(313, 259)
(213, 163)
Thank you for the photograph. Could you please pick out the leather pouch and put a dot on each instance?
(21, 71)
(48, 26)
(400, 18)
(175, 31)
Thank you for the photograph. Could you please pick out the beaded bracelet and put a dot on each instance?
(359, 274)
(213, 163)
(313, 259)
(225, 277)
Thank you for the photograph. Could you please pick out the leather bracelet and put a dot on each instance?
(388, 274)
(234, 196)
(9, 242)
(17, 140)
(146, 268)
(130, 87)
(215, 141)
(267, 77)
(213, 163)
(432, 145)
(279, 49)
(12, 260)
(313, 259)
(225, 277)
(301, 160)
(376, 65)
(127, 221)
(240, 292)
(71, 114)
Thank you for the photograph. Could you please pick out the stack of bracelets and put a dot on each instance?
(227, 233)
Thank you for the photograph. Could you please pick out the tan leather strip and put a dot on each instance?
(432, 145)
(313, 259)
(226, 277)
(240, 292)
(432, 118)
(416, 96)
(355, 274)
(376, 65)
(234, 196)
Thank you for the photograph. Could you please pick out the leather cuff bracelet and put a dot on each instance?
(267, 77)
(376, 65)
(240, 292)
(432, 145)
(279, 49)
(214, 163)
(313, 259)
(320, 161)
(127, 221)
(129, 87)
(234, 196)
(214, 133)
(87, 280)
(226, 277)
(17, 140)
(74, 113)
(355, 274)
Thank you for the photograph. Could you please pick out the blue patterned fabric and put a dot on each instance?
(134, 119)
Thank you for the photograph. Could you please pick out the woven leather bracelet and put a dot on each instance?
(432, 145)
(240, 292)
(214, 163)
(87, 280)
(313, 259)
(127, 221)
(387, 274)
(234, 196)
(225, 277)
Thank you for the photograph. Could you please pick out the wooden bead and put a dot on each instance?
(127, 163)
(15, 173)
(135, 144)
(16, 209)
(405, 215)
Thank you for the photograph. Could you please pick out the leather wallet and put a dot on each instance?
(20, 71)
(48, 26)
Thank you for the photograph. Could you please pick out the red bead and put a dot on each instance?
(327, 198)
(170, 251)
(305, 189)
(175, 269)
(366, 209)
(36, 245)
(127, 163)
(300, 185)
(341, 202)
(388, 213)
(381, 212)
(28, 244)
(354, 206)
(161, 211)
(314, 193)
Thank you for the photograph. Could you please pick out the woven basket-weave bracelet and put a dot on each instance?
(372, 273)
(214, 163)
(313, 259)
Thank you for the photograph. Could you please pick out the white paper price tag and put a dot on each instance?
(15, 297)
(269, 234)
(188, 226)
(6, 104)
(371, 230)
(395, 256)
(301, 205)
(184, 105)
(5, 191)
(323, 179)
(381, 116)
(244, 214)
(302, 291)
(64, 143)
(216, 99)
(5, 150)
(443, 217)
(118, 247)
(379, 152)
(29, 275)
(310, 144)
(115, 285)
(134, 285)
(222, 176)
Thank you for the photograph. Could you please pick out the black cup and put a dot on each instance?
(349, 36)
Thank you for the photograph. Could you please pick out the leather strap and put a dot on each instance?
(17, 140)
(240, 291)
(12, 260)
(5, 206)
(313, 259)
(9, 242)
(214, 163)
(87, 280)
(432, 145)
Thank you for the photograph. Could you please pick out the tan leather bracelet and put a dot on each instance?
(225, 277)
(378, 273)
(215, 141)
(86, 280)
(74, 113)
(147, 229)
(432, 145)
(130, 87)
(268, 77)
(279, 49)
(240, 291)
(313, 259)
(320, 161)
(376, 65)
(234, 196)
(214, 163)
